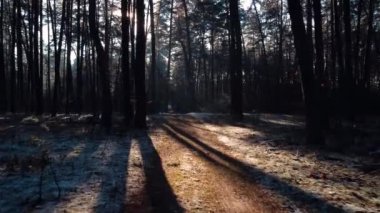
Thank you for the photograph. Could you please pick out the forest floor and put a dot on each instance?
(194, 162)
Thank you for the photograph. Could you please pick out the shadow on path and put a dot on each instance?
(158, 188)
(113, 192)
(257, 176)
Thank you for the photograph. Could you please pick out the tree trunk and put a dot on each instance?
(348, 78)
(305, 61)
(57, 54)
(320, 61)
(367, 62)
(12, 60)
(3, 91)
(36, 68)
(153, 58)
(79, 88)
(127, 107)
(69, 75)
(338, 40)
(102, 60)
(235, 60)
(332, 44)
(357, 43)
(189, 60)
(167, 98)
(20, 72)
(140, 118)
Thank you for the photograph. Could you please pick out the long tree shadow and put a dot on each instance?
(65, 162)
(158, 188)
(285, 134)
(250, 173)
(113, 190)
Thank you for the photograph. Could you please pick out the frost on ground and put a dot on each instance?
(196, 162)
(274, 145)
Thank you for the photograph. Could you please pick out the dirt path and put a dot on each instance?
(204, 182)
(260, 162)
(183, 163)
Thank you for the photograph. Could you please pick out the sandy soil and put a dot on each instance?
(183, 163)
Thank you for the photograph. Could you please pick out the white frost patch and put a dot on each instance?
(201, 115)
(30, 120)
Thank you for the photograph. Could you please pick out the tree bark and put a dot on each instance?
(80, 42)
(305, 61)
(57, 54)
(167, 98)
(153, 58)
(320, 61)
(348, 78)
(127, 107)
(12, 60)
(338, 40)
(367, 62)
(20, 72)
(102, 61)
(140, 117)
(235, 61)
(357, 43)
(189, 60)
(3, 91)
(69, 75)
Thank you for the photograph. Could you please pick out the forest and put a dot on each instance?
(153, 105)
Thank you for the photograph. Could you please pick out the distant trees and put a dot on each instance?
(199, 55)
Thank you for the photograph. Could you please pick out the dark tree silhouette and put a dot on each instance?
(127, 107)
(235, 60)
(102, 63)
(305, 61)
(140, 117)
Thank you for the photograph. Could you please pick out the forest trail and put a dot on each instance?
(183, 163)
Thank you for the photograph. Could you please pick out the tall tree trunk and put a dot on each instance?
(140, 117)
(235, 60)
(280, 41)
(79, 88)
(20, 72)
(153, 58)
(41, 58)
(36, 63)
(320, 64)
(57, 54)
(367, 62)
(12, 60)
(189, 60)
(69, 75)
(30, 58)
(3, 91)
(357, 42)
(305, 61)
(262, 36)
(127, 107)
(332, 44)
(167, 97)
(348, 78)
(102, 60)
(320, 61)
(338, 40)
(212, 58)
